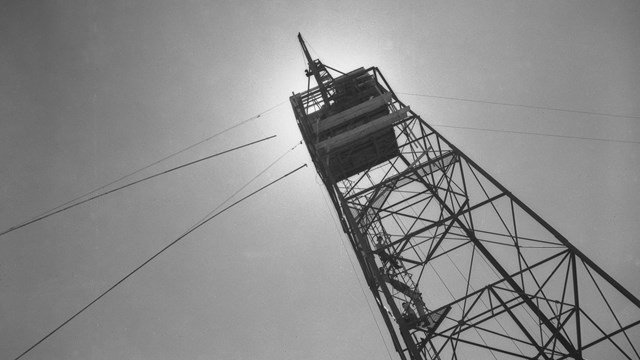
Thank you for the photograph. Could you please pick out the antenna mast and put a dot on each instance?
(316, 69)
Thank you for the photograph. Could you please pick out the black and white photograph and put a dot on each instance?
(274, 180)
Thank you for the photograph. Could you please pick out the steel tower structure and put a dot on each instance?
(459, 267)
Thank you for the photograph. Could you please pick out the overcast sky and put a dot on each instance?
(91, 91)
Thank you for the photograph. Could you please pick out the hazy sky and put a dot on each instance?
(90, 91)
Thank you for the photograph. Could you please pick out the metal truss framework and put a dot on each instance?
(459, 267)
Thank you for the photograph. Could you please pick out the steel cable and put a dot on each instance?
(59, 210)
(192, 229)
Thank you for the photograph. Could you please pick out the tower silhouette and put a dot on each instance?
(459, 267)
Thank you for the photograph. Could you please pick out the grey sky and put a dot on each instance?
(90, 91)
